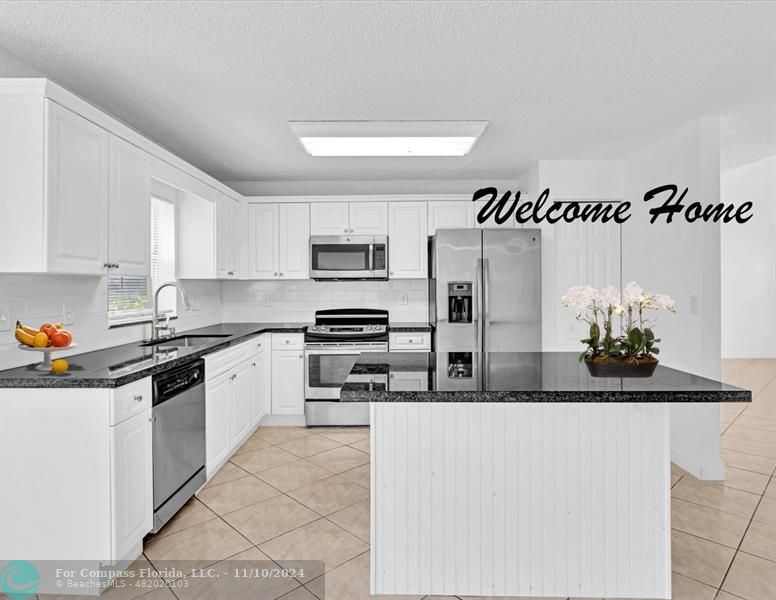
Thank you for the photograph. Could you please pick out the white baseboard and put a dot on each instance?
(282, 421)
(708, 470)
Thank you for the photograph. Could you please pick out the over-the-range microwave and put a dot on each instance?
(349, 257)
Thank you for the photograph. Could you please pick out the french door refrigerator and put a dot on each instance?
(485, 298)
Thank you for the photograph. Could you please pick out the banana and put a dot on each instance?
(30, 330)
(24, 337)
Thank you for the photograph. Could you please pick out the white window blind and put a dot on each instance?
(129, 297)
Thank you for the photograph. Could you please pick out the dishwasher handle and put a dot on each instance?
(169, 384)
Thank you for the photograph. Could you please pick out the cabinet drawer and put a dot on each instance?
(417, 340)
(129, 400)
(287, 341)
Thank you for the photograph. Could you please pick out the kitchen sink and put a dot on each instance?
(187, 340)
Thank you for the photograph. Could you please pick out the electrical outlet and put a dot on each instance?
(404, 299)
(264, 300)
(5, 317)
(67, 315)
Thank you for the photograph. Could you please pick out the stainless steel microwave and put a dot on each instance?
(349, 257)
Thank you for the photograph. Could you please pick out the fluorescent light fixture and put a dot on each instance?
(388, 138)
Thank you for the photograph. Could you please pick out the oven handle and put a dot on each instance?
(310, 349)
(372, 257)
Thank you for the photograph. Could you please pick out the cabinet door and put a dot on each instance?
(287, 382)
(293, 236)
(132, 483)
(329, 218)
(262, 220)
(369, 218)
(408, 381)
(444, 214)
(407, 240)
(77, 193)
(129, 211)
(261, 383)
(217, 421)
(242, 401)
(227, 211)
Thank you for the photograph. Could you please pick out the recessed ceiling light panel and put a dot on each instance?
(388, 138)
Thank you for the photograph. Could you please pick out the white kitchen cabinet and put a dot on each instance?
(287, 382)
(129, 211)
(227, 237)
(218, 399)
(279, 241)
(261, 383)
(409, 341)
(450, 214)
(77, 159)
(131, 482)
(407, 240)
(242, 402)
(408, 381)
(349, 218)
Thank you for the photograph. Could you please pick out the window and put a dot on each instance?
(130, 296)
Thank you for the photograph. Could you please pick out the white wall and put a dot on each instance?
(13, 66)
(297, 301)
(682, 260)
(35, 299)
(749, 263)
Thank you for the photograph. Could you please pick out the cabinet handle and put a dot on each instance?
(253, 364)
(230, 273)
(301, 356)
(106, 265)
(149, 419)
(346, 230)
(139, 398)
(391, 273)
(275, 274)
(281, 274)
(115, 265)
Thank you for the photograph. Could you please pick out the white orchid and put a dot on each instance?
(664, 302)
(609, 297)
(632, 294)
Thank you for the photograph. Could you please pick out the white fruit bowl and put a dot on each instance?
(46, 364)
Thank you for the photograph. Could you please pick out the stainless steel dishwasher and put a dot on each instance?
(178, 438)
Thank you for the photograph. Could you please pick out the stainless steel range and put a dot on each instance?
(332, 346)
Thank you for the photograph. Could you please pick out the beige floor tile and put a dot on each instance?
(766, 512)
(347, 436)
(770, 491)
(321, 540)
(751, 577)
(228, 586)
(251, 444)
(760, 540)
(354, 519)
(754, 376)
(731, 366)
(124, 588)
(192, 513)
(362, 445)
(360, 475)
(270, 518)
(278, 435)
(745, 480)
(748, 445)
(716, 495)
(204, 544)
(753, 433)
(293, 475)
(229, 472)
(722, 595)
(708, 523)
(309, 445)
(675, 477)
(684, 588)
(236, 494)
(329, 495)
(750, 462)
(755, 423)
(349, 581)
(699, 559)
(340, 459)
(261, 460)
(300, 593)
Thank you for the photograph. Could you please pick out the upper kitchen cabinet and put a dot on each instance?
(407, 240)
(450, 214)
(227, 237)
(129, 211)
(54, 166)
(279, 241)
(349, 218)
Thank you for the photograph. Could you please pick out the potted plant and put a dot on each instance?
(631, 354)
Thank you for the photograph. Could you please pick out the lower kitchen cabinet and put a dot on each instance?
(261, 383)
(218, 397)
(287, 382)
(242, 402)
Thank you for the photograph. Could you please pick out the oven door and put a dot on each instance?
(348, 257)
(327, 366)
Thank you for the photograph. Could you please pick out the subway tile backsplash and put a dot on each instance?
(405, 299)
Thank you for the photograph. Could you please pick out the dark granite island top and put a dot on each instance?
(119, 365)
(519, 377)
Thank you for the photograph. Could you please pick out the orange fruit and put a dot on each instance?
(59, 365)
(41, 340)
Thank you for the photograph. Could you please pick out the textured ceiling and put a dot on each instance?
(216, 82)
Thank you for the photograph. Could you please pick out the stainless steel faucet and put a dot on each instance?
(155, 326)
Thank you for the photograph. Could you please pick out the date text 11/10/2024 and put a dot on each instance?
(501, 210)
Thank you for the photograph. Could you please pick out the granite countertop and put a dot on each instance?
(119, 365)
(410, 327)
(519, 377)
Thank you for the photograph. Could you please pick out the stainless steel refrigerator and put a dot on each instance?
(485, 290)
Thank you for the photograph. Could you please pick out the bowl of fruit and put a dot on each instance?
(47, 338)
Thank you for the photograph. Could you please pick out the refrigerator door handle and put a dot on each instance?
(486, 315)
(477, 313)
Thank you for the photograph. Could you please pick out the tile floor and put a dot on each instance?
(294, 493)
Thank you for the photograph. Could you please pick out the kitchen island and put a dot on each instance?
(519, 474)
